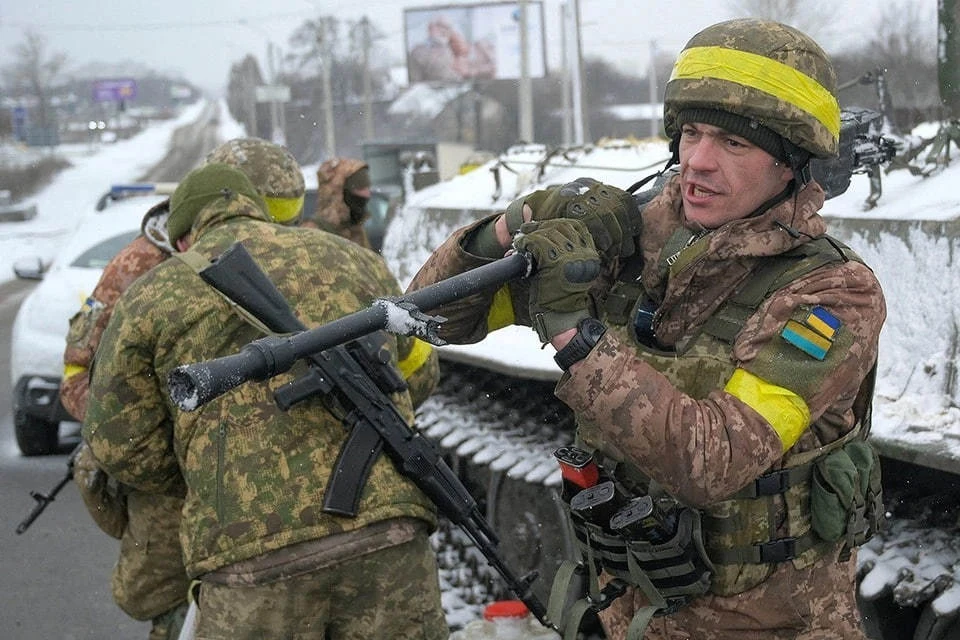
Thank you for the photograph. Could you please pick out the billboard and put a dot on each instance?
(114, 90)
(464, 42)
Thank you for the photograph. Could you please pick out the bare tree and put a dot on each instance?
(35, 71)
(245, 77)
(805, 15)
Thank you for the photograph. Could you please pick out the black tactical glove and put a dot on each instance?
(566, 263)
(610, 214)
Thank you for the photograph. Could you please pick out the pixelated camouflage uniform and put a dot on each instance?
(149, 578)
(255, 475)
(702, 449)
(333, 214)
(149, 581)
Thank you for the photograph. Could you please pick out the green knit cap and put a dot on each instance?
(201, 187)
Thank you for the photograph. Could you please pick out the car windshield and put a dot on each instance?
(97, 256)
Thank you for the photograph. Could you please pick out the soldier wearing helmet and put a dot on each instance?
(718, 349)
(267, 560)
(149, 581)
(273, 171)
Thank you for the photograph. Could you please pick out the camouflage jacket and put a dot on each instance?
(332, 213)
(255, 475)
(717, 444)
(87, 325)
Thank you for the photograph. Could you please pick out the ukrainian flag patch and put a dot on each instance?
(823, 322)
(814, 336)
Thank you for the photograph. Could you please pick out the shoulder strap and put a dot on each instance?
(772, 274)
(198, 263)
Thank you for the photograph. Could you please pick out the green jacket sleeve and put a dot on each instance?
(128, 423)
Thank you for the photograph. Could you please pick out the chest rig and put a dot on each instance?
(735, 544)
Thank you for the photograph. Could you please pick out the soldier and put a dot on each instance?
(718, 351)
(343, 190)
(149, 581)
(268, 561)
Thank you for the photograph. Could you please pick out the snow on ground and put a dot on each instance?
(75, 191)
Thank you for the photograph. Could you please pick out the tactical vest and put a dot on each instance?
(738, 537)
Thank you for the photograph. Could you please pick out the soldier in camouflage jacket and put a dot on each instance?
(674, 401)
(269, 560)
(149, 581)
(343, 190)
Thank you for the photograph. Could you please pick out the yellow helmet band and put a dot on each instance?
(284, 209)
(763, 74)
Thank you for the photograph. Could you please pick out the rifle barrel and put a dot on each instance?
(193, 385)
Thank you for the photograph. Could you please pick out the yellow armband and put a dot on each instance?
(784, 410)
(501, 311)
(419, 353)
(70, 370)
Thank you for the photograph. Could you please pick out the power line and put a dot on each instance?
(156, 26)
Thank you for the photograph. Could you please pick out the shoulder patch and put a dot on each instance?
(814, 335)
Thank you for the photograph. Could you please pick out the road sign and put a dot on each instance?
(273, 93)
(114, 90)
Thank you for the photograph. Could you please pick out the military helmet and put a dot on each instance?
(767, 72)
(273, 171)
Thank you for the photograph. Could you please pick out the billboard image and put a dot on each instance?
(458, 43)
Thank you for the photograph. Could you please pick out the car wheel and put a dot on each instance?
(36, 436)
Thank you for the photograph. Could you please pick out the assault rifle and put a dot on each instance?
(349, 369)
(44, 499)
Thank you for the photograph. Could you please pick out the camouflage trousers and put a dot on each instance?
(815, 603)
(392, 593)
(149, 579)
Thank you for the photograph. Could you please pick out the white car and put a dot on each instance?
(40, 329)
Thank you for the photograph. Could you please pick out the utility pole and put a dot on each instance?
(524, 94)
(326, 49)
(948, 57)
(580, 129)
(565, 71)
(367, 84)
(652, 79)
(276, 133)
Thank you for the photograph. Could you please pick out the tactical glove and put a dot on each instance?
(610, 214)
(566, 263)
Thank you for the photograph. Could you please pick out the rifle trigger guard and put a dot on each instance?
(406, 319)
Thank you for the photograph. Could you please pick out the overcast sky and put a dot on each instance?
(201, 39)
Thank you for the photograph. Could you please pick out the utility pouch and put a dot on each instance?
(102, 496)
(846, 496)
(677, 568)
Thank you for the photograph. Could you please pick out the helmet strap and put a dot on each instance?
(798, 159)
(674, 159)
(775, 200)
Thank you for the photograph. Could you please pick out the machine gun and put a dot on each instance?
(348, 366)
(44, 499)
(863, 149)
